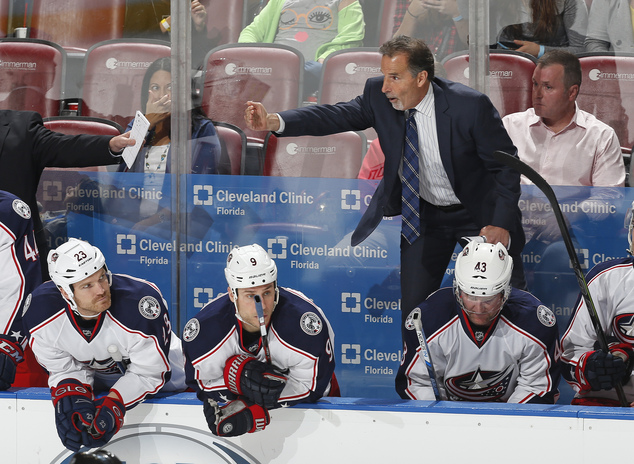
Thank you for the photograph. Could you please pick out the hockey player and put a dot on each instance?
(590, 371)
(21, 274)
(487, 341)
(94, 331)
(250, 365)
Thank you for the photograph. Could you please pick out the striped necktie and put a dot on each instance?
(410, 182)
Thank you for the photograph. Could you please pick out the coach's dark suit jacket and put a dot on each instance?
(469, 131)
(27, 147)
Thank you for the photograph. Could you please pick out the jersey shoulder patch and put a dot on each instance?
(21, 208)
(546, 316)
(149, 307)
(311, 323)
(191, 330)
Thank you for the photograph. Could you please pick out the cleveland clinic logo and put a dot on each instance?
(584, 258)
(277, 248)
(203, 195)
(350, 353)
(350, 302)
(350, 199)
(126, 244)
(52, 190)
(202, 296)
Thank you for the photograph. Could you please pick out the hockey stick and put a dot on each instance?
(541, 184)
(265, 340)
(418, 325)
(115, 354)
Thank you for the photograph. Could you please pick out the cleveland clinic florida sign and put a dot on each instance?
(305, 225)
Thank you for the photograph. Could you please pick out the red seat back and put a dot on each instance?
(113, 75)
(31, 75)
(338, 155)
(510, 79)
(235, 73)
(607, 91)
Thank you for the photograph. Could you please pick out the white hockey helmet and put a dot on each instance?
(483, 269)
(72, 262)
(249, 266)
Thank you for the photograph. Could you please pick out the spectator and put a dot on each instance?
(98, 332)
(591, 371)
(565, 144)
(314, 27)
(438, 23)
(156, 101)
(610, 26)
(20, 265)
(256, 363)
(462, 190)
(554, 24)
(487, 341)
(152, 20)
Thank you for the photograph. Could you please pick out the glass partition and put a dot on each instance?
(203, 183)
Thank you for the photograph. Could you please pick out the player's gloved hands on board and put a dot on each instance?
(108, 420)
(11, 355)
(259, 382)
(235, 418)
(598, 370)
(74, 407)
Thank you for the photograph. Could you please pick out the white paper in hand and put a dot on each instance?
(138, 133)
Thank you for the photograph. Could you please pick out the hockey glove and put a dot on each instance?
(74, 411)
(598, 370)
(108, 420)
(11, 355)
(257, 381)
(235, 418)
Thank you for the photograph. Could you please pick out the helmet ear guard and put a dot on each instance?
(483, 269)
(73, 262)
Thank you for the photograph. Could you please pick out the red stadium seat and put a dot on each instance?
(607, 91)
(510, 79)
(235, 142)
(75, 125)
(337, 155)
(235, 73)
(32, 75)
(113, 74)
(344, 74)
(76, 25)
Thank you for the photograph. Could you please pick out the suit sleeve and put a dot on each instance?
(53, 149)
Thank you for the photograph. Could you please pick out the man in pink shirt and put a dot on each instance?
(566, 145)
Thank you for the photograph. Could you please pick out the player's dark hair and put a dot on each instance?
(570, 62)
(419, 56)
